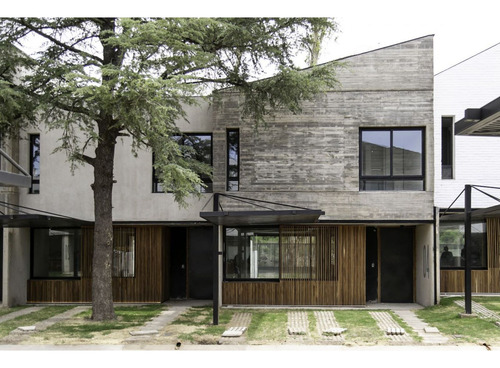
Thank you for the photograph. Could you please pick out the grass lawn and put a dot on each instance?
(30, 319)
(4, 311)
(446, 317)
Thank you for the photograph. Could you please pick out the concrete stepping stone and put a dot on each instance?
(327, 326)
(298, 323)
(238, 325)
(392, 329)
(480, 310)
(429, 334)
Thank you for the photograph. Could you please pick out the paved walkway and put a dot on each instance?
(21, 312)
(428, 334)
(479, 310)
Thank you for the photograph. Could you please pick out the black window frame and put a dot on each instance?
(447, 147)
(391, 176)
(77, 261)
(32, 139)
(230, 178)
(207, 180)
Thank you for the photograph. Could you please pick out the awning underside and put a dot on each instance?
(242, 218)
(29, 220)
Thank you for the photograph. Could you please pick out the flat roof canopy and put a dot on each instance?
(484, 121)
(29, 220)
(476, 215)
(242, 218)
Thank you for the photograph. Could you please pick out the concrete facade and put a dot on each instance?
(310, 160)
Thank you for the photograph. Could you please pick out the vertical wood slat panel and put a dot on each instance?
(482, 281)
(146, 286)
(344, 285)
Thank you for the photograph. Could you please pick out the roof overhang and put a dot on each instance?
(484, 121)
(476, 215)
(245, 218)
(29, 220)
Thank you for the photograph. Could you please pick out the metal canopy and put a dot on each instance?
(478, 214)
(30, 220)
(13, 179)
(484, 121)
(242, 218)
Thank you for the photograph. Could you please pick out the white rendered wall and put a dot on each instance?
(470, 84)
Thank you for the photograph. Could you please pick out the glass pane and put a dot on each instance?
(232, 185)
(391, 185)
(202, 145)
(56, 253)
(252, 253)
(376, 153)
(451, 238)
(124, 252)
(407, 152)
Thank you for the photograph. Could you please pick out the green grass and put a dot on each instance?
(30, 319)
(361, 327)
(201, 318)
(446, 317)
(83, 327)
(268, 326)
(4, 311)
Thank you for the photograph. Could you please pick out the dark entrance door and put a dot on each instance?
(371, 264)
(200, 255)
(178, 241)
(396, 265)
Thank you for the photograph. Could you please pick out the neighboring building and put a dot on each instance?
(356, 165)
(461, 158)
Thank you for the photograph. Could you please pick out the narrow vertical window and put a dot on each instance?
(35, 163)
(233, 160)
(447, 147)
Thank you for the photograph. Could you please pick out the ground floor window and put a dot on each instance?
(124, 252)
(451, 239)
(56, 253)
(252, 253)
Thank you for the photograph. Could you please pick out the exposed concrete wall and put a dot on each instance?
(424, 264)
(16, 266)
(470, 84)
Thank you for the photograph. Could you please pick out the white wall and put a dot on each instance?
(424, 264)
(470, 84)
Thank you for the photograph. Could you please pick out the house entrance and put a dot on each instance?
(178, 264)
(371, 264)
(396, 264)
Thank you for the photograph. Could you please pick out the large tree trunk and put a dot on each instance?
(102, 281)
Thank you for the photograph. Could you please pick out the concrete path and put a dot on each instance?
(391, 328)
(21, 312)
(152, 328)
(480, 310)
(429, 335)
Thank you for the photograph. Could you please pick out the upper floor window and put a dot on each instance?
(198, 147)
(233, 160)
(447, 140)
(392, 159)
(35, 163)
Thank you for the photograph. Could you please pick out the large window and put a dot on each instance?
(391, 159)
(252, 253)
(35, 163)
(124, 252)
(56, 253)
(233, 159)
(447, 139)
(194, 146)
(452, 253)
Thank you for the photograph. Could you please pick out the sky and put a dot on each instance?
(461, 28)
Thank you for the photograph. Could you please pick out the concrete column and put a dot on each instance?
(424, 264)
(16, 244)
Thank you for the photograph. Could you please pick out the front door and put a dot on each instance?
(178, 241)
(371, 264)
(396, 265)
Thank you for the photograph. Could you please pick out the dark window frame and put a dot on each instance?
(447, 147)
(391, 176)
(224, 257)
(228, 177)
(76, 261)
(207, 180)
(114, 268)
(32, 139)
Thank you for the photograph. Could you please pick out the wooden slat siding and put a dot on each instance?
(482, 281)
(343, 284)
(147, 286)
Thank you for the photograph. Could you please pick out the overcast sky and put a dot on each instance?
(461, 28)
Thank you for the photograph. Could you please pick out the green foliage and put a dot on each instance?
(133, 77)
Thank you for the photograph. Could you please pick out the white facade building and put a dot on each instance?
(471, 83)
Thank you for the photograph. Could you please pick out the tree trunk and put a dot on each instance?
(102, 261)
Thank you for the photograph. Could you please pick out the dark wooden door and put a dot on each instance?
(396, 265)
(200, 269)
(178, 241)
(371, 264)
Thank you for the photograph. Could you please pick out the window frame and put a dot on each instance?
(76, 261)
(115, 230)
(32, 138)
(155, 181)
(228, 177)
(391, 177)
(449, 121)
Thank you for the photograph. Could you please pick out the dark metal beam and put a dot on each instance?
(215, 240)
(467, 248)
